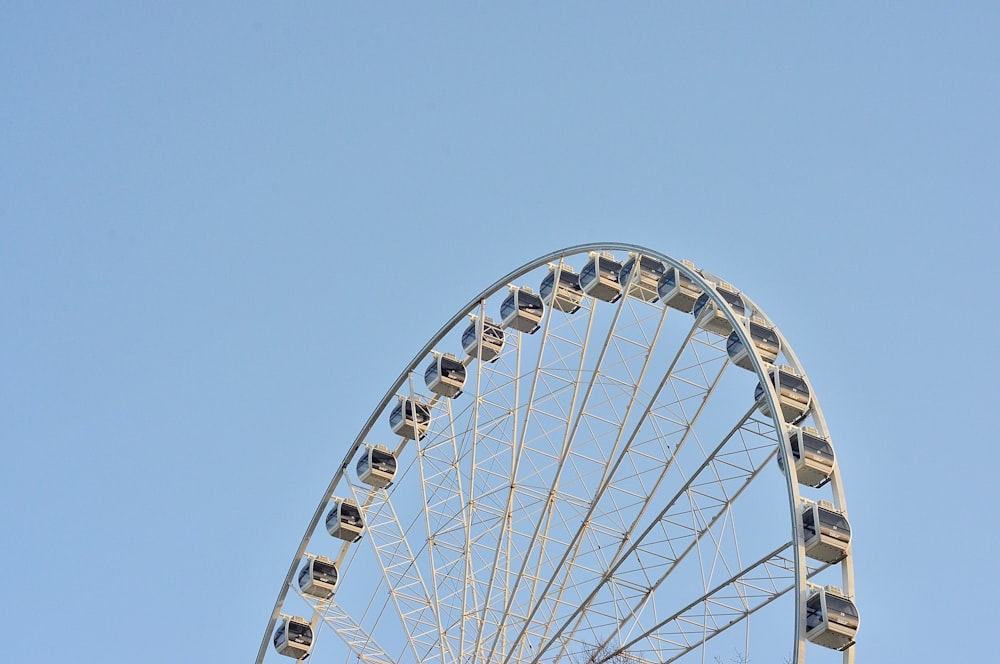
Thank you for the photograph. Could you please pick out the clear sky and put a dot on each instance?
(226, 227)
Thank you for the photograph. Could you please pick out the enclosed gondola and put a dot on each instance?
(318, 577)
(445, 375)
(376, 466)
(677, 290)
(561, 290)
(642, 282)
(793, 393)
(812, 456)
(344, 521)
(294, 637)
(710, 317)
(831, 618)
(764, 339)
(827, 532)
(522, 310)
(599, 277)
(483, 339)
(410, 418)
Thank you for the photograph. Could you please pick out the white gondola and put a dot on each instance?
(812, 456)
(764, 338)
(376, 466)
(827, 532)
(445, 375)
(643, 283)
(294, 637)
(522, 310)
(793, 393)
(482, 339)
(410, 418)
(831, 618)
(677, 290)
(561, 290)
(318, 577)
(344, 521)
(599, 277)
(710, 317)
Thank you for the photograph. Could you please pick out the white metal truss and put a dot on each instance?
(624, 588)
(363, 645)
(593, 493)
(725, 605)
(415, 608)
(626, 496)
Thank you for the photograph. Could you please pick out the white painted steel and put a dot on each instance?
(599, 488)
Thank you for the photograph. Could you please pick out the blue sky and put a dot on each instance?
(225, 229)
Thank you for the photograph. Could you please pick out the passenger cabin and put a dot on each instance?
(561, 290)
(793, 393)
(599, 277)
(483, 339)
(522, 310)
(318, 577)
(344, 521)
(445, 375)
(764, 339)
(376, 466)
(677, 290)
(812, 456)
(831, 618)
(827, 533)
(410, 418)
(642, 282)
(294, 637)
(710, 317)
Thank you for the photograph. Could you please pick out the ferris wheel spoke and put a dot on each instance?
(443, 495)
(357, 640)
(448, 463)
(592, 439)
(725, 606)
(620, 408)
(659, 435)
(686, 524)
(498, 590)
(546, 411)
(638, 471)
(483, 448)
(401, 575)
(489, 624)
(497, 540)
(672, 534)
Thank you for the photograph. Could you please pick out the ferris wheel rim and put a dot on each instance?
(708, 287)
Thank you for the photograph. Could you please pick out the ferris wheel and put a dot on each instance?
(608, 455)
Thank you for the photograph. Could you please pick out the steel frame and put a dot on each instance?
(548, 459)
